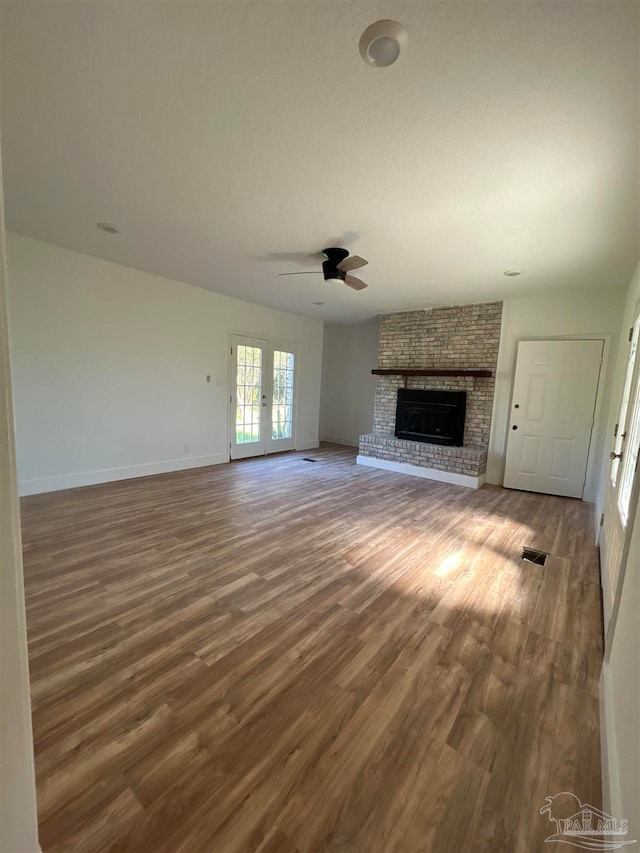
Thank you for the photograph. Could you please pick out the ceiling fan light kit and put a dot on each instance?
(331, 266)
(382, 43)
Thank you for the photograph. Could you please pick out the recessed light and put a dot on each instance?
(382, 42)
(513, 273)
(318, 303)
(109, 227)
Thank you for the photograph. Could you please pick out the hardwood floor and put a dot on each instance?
(281, 655)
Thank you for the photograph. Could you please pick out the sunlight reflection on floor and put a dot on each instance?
(449, 564)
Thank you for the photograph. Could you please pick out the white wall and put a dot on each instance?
(18, 820)
(348, 387)
(620, 681)
(110, 368)
(588, 313)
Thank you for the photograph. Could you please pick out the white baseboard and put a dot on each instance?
(426, 473)
(107, 475)
(341, 439)
(308, 445)
(608, 757)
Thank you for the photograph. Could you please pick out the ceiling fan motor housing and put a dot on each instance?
(330, 267)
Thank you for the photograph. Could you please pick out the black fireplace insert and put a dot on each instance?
(435, 417)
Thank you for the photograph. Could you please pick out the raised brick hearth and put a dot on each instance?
(461, 337)
(471, 461)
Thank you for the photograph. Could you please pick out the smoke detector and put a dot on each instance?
(382, 42)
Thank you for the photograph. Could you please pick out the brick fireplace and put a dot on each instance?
(460, 338)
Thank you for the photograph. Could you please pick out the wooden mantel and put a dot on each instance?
(431, 371)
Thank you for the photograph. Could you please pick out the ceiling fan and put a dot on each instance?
(336, 268)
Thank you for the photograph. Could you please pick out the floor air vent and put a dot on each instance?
(533, 556)
(308, 459)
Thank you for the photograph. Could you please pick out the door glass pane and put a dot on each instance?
(282, 401)
(248, 394)
(630, 456)
(624, 408)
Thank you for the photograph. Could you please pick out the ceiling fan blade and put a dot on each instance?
(353, 262)
(302, 259)
(305, 272)
(355, 283)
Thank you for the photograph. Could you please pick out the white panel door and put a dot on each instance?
(622, 485)
(552, 412)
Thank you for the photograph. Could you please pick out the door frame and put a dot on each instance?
(273, 342)
(593, 457)
(617, 593)
(633, 507)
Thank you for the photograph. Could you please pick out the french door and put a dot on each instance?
(262, 406)
(622, 485)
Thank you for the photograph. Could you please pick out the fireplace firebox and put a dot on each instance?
(435, 417)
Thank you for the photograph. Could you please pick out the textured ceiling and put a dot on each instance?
(222, 136)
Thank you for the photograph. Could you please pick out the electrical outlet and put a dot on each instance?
(187, 448)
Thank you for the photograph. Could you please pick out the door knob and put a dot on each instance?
(515, 426)
(613, 455)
